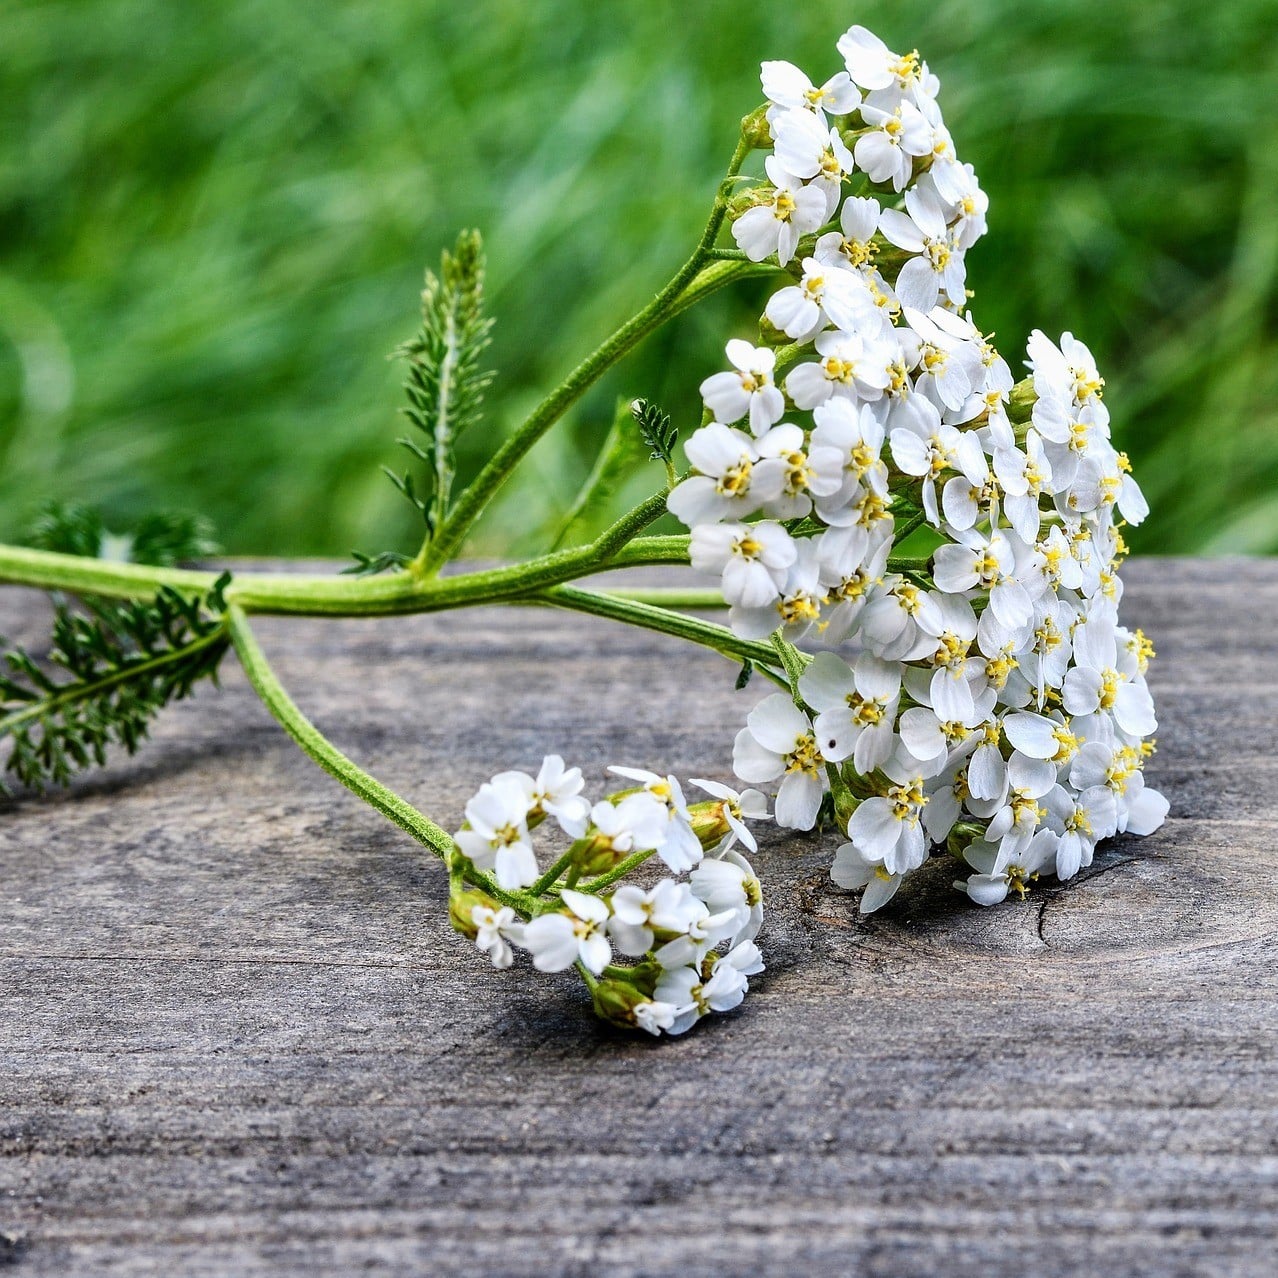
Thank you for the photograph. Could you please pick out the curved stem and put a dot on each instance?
(471, 504)
(618, 871)
(267, 686)
(648, 617)
(321, 751)
(671, 597)
(48, 570)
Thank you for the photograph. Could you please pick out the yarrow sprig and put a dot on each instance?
(691, 934)
(916, 550)
(976, 694)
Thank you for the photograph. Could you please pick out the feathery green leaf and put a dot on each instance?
(161, 539)
(446, 383)
(655, 429)
(125, 662)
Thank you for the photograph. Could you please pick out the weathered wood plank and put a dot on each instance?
(238, 1036)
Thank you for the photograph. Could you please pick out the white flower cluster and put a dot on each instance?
(986, 698)
(693, 933)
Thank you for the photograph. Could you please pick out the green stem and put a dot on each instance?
(671, 597)
(915, 521)
(792, 661)
(649, 617)
(618, 871)
(267, 686)
(321, 751)
(592, 981)
(76, 574)
(471, 504)
(552, 875)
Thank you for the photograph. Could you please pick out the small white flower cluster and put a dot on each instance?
(987, 700)
(693, 933)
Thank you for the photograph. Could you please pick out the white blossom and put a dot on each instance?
(495, 929)
(495, 835)
(738, 808)
(574, 934)
(748, 390)
(785, 85)
(778, 743)
(938, 266)
(786, 212)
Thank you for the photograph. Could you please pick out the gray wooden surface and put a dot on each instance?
(238, 1036)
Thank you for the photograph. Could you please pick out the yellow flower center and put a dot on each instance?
(871, 508)
(1025, 809)
(1019, 879)
(1142, 646)
(857, 252)
(1079, 823)
(797, 472)
(1109, 689)
(1066, 744)
(798, 608)
(805, 757)
(906, 67)
(951, 652)
(866, 713)
(987, 568)
(1086, 384)
(736, 479)
(907, 800)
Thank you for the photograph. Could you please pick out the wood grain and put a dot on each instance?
(239, 1038)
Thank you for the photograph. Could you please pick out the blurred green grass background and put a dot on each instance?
(214, 217)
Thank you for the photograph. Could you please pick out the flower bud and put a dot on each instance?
(709, 823)
(744, 201)
(755, 129)
(461, 907)
(1021, 400)
(596, 855)
(770, 334)
(615, 1002)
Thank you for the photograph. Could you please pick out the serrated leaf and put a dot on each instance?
(126, 661)
(161, 539)
(446, 383)
(655, 430)
(371, 565)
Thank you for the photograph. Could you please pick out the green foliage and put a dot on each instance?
(69, 528)
(615, 463)
(160, 540)
(123, 662)
(371, 565)
(655, 430)
(172, 537)
(446, 383)
(211, 234)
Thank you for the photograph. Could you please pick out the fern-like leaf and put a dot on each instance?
(160, 540)
(371, 565)
(121, 664)
(655, 429)
(446, 382)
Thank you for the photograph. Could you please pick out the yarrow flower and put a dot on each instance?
(949, 537)
(920, 550)
(693, 935)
